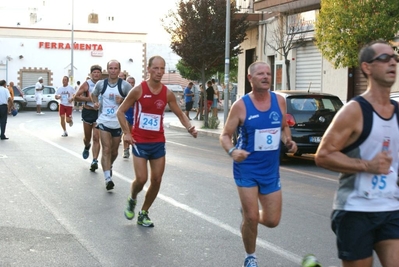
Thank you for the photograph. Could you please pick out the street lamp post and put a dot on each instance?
(227, 63)
(72, 47)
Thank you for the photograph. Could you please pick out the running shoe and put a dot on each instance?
(94, 165)
(86, 151)
(71, 123)
(250, 261)
(144, 220)
(65, 134)
(129, 211)
(109, 184)
(126, 153)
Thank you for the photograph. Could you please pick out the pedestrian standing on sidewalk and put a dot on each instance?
(5, 102)
(147, 135)
(11, 90)
(188, 98)
(362, 143)
(200, 110)
(215, 103)
(260, 119)
(90, 116)
(39, 87)
(112, 91)
(66, 94)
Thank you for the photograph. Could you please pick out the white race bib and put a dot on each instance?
(110, 110)
(267, 139)
(378, 185)
(151, 122)
(64, 99)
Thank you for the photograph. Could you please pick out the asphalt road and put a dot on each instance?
(55, 212)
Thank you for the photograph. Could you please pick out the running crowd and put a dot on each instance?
(365, 216)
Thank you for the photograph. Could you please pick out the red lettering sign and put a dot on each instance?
(67, 46)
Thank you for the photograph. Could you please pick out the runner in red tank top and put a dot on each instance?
(147, 137)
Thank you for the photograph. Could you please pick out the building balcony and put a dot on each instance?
(281, 6)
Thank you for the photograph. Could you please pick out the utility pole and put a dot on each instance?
(72, 47)
(227, 63)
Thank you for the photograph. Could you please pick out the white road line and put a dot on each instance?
(260, 242)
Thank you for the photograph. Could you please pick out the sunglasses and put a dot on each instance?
(385, 58)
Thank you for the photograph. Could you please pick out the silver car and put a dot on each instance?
(48, 100)
(178, 91)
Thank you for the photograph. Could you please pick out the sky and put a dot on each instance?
(131, 15)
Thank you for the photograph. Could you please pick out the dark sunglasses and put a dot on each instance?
(385, 58)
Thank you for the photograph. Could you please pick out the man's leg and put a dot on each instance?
(388, 252)
(87, 132)
(62, 119)
(250, 213)
(114, 148)
(141, 173)
(157, 169)
(96, 142)
(3, 120)
(106, 143)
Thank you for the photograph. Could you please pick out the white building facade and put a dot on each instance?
(29, 53)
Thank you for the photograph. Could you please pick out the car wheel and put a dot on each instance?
(17, 105)
(53, 106)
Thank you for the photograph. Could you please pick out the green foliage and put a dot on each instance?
(344, 26)
(213, 123)
(191, 74)
(198, 34)
(187, 72)
(198, 29)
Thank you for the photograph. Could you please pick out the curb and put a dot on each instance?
(201, 132)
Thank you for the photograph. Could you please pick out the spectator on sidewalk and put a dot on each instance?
(39, 87)
(188, 98)
(5, 102)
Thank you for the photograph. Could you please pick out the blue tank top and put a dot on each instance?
(260, 135)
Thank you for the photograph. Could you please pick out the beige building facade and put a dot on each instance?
(307, 69)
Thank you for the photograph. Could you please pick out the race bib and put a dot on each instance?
(64, 99)
(151, 122)
(378, 185)
(110, 110)
(267, 139)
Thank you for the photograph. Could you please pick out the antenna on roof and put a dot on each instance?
(310, 84)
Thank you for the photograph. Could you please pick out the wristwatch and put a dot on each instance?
(231, 150)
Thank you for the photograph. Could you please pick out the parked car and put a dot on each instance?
(48, 101)
(178, 91)
(395, 96)
(19, 101)
(308, 116)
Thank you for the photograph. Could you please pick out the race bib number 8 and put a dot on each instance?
(150, 122)
(267, 139)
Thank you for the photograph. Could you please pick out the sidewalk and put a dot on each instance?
(175, 124)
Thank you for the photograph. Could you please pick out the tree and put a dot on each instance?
(187, 72)
(288, 33)
(344, 26)
(197, 30)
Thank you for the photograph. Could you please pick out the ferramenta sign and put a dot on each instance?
(67, 46)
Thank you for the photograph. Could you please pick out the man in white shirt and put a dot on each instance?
(39, 95)
(66, 94)
(5, 101)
